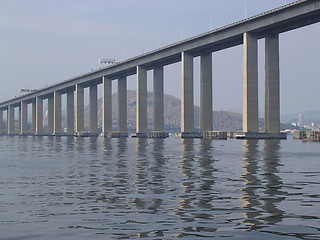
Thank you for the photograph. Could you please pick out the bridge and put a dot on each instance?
(268, 25)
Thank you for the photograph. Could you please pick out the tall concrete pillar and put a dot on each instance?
(122, 105)
(206, 92)
(70, 112)
(33, 104)
(93, 102)
(272, 84)
(158, 91)
(79, 109)
(24, 118)
(1, 121)
(50, 115)
(141, 100)
(39, 116)
(19, 120)
(106, 105)
(57, 113)
(250, 84)
(10, 119)
(187, 112)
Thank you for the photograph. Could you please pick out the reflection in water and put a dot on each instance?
(141, 172)
(206, 174)
(77, 188)
(158, 170)
(274, 182)
(187, 169)
(121, 174)
(250, 193)
(261, 196)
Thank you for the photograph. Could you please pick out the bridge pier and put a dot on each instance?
(106, 106)
(272, 85)
(206, 92)
(24, 118)
(250, 83)
(1, 122)
(141, 117)
(187, 112)
(93, 102)
(10, 120)
(70, 113)
(33, 116)
(122, 106)
(158, 92)
(79, 109)
(50, 130)
(57, 114)
(39, 116)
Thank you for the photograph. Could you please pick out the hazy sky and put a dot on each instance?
(46, 42)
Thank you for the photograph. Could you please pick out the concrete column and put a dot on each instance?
(141, 100)
(34, 117)
(19, 120)
(187, 112)
(93, 101)
(70, 112)
(10, 119)
(206, 92)
(272, 85)
(106, 105)
(39, 115)
(158, 90)
(50, 115)
(1, 121)
(122, 105)
(250, 84)
(79, 109)
(57, 113)
(24, 118)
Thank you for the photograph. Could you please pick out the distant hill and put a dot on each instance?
(227, 121)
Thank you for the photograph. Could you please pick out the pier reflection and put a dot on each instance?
(141, 173)
(273, 191)
(263, 186)
(206, 174)
(252, 185)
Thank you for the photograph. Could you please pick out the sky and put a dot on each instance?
(46, 42)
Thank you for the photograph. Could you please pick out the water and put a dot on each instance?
(95, 188)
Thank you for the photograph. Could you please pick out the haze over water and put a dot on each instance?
(96, 188)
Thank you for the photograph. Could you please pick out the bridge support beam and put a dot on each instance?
(206, 92)
(93, 102)
(79, 109)
(24, 118)
(122, 106)
(1, 121)
(39, 116)
(141, 121)
(70, 112)
(187, 111)
(272, 84)
(158, 91)
(19, 121)
(250, 84)
(10, 119)
(106, 105)
(57, 113)
(51, 115)
(33, 117)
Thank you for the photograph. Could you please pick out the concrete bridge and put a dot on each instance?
(267, 25)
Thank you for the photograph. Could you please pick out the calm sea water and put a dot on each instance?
(95, 188)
